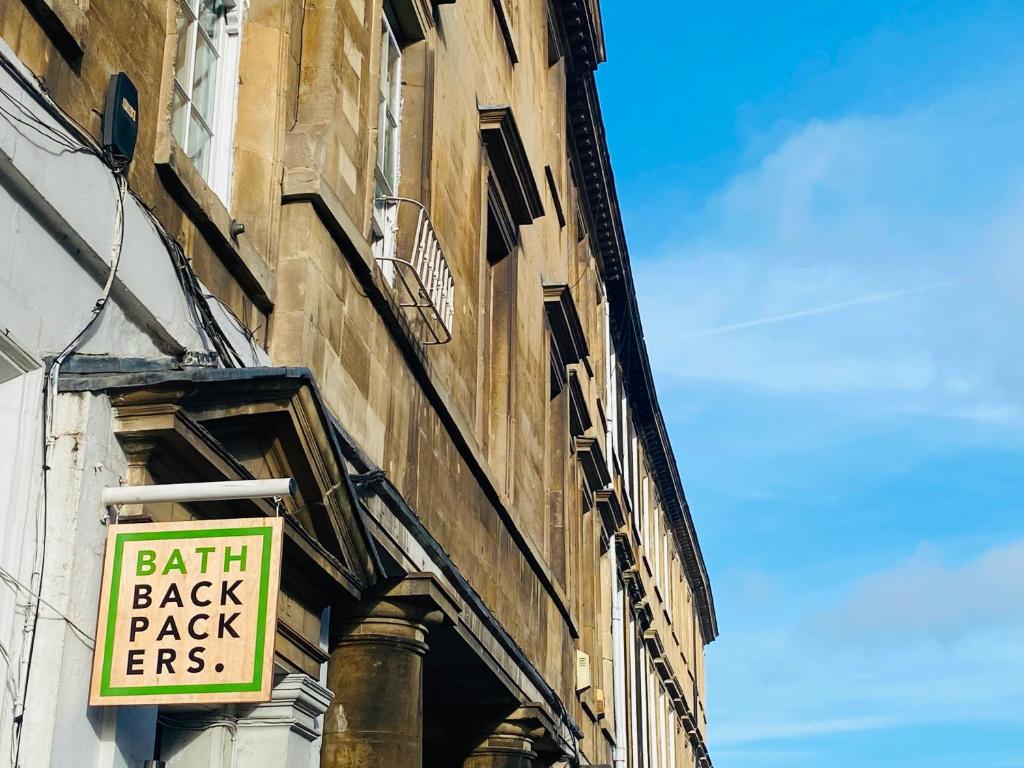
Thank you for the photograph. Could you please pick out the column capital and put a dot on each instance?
(424, 589)
(509, 746)
(511, 743)
(398, 613)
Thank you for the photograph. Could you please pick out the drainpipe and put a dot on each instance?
(618, 630)
(618, 665)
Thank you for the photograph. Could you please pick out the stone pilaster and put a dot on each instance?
(282, 733)
(286, 731)
(376, 672)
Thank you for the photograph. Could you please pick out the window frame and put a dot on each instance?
(216, 165)
(384, 218)
(389, 107)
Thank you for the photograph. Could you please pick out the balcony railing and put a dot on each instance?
(420, 271)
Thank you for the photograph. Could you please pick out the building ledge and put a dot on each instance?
(512, 168)
(65, 23)
(211, 217)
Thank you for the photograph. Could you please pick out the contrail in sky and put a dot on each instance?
(872, 299)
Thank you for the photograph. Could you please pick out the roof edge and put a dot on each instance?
(595, 174)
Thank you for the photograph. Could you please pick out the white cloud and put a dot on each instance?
(857, 296)
(927, 641)
(868, 257)
(812, 311)
(927, 594)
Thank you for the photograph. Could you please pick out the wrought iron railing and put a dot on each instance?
(421, 275)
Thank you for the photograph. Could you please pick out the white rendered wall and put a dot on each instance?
(20, 476)
(57, 216)
(57, 225)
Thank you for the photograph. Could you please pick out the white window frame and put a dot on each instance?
(226, 42)
(389, 122)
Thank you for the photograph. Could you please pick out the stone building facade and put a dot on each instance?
(373, 245)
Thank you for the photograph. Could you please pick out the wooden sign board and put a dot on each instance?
(188, 613)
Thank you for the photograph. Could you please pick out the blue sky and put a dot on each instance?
(825, 209)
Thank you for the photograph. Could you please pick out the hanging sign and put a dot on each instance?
(188, 613)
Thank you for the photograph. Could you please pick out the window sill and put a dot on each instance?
(608, 731)
(586, 699)
(505, 23)
(64, 21)
(213, 220)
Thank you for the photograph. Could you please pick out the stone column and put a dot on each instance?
(376, 673)
(509, 746)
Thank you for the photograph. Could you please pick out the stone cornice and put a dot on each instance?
(583, 35)
(592, 462)
(608, 505)
(566, 327)
(511, 166)
(593, 169)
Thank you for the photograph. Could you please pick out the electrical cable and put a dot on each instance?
(29, 121)
(207, 324)
(250, 334)
(8, 578)
(583, 274)
(26, 119)
(194, 292)
(186, 277)
(37, 91)
(50, 392)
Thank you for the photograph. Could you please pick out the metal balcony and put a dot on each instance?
(420, 274)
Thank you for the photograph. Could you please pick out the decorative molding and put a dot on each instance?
(663, 669)
(500, 224)
(415, 18)
(65, 22)
(175, 427)
(581, 21)
(505, 24)
(310, 649)
(207, 211)
(672, 687)
(655, 647)
(642, 611)
(297, 701)
(592, 166)
(592, 462)
(579, 415)
(556, 198)
(612, 517)
(624, 554)
(634, 589)
(427, 590)
(566, 328)
(508, 157)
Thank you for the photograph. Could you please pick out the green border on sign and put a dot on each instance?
(256, 684)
